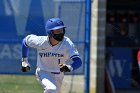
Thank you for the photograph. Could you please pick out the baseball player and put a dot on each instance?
(52, 53)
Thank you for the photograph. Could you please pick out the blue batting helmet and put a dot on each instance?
(53, 24)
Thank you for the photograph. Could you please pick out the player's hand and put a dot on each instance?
(25, 65)
(65, 68)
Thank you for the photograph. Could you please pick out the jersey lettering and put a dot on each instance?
(50, 54)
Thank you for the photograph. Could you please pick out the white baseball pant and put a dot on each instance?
(51, 81)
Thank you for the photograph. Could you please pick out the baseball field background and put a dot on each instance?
(19, 18)
(17, 21)
(29, 84)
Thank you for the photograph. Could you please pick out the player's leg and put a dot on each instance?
(58, 80)
(50, 86)
(47, 81)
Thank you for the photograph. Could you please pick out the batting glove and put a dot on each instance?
(65, 68)
(25, 65)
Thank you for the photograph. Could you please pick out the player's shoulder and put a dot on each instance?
(68, 41)
(36, 36)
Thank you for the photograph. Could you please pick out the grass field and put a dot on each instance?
(29, 84)
(19, 84)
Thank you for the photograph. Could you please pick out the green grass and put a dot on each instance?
(19, 84)
(29, 84)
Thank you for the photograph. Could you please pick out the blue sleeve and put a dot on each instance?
(24, 49)
(77, 62)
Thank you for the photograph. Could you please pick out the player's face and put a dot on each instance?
(58, 31)
(58, 34)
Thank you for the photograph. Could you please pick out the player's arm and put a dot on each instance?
(29, 41)
(74, 55)
(25, 63)
(77, 62)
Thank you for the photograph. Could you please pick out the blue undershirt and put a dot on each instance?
(76, 63)
(24, 49)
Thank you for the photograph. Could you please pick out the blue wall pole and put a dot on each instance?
(87, 44)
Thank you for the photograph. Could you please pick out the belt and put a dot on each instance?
(55, 72)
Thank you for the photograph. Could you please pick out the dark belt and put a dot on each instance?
(55, 72)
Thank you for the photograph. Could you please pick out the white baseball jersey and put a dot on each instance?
(48, 56)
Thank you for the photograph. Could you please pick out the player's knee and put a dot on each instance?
(51, 90)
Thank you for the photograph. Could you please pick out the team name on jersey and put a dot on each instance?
(50, 54)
